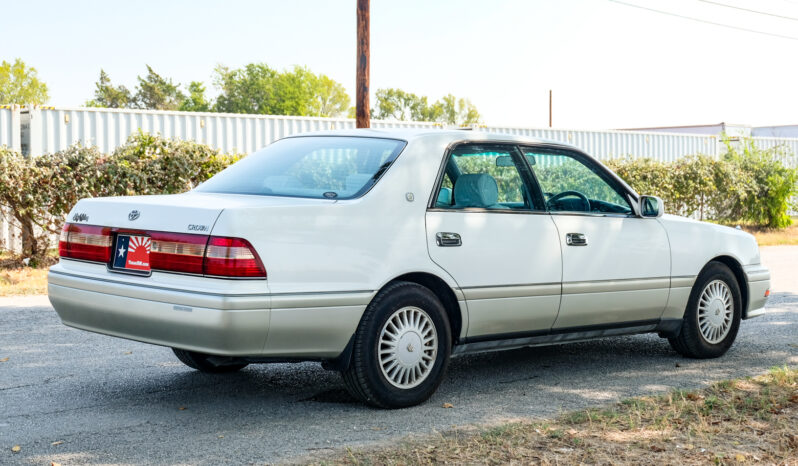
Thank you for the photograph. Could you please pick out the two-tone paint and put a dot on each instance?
(514, 281)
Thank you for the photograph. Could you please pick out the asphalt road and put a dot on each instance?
(78, 398)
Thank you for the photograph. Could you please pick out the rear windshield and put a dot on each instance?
(323, 167)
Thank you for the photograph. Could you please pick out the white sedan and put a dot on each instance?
(384, 253)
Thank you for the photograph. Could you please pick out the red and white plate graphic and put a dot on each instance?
(138, 255)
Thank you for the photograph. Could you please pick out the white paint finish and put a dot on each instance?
(619, 248)
(500, 249)
(317, 246)
(347, 245)
(694, 244)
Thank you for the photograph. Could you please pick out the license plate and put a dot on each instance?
(132, 253)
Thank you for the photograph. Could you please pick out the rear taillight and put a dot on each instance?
(170, 252)
(232, 257)
(177, 252)
(85, 242)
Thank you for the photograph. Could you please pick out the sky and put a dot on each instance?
(609, 65)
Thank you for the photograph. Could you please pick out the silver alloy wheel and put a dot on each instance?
(407, 347)
(715, 311)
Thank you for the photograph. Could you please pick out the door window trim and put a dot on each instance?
(609, 177)
(524, 171)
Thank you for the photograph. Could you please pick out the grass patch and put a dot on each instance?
(23, 281)
(743, 421)
(774, 236)
(17, 279)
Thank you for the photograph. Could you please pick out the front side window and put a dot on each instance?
(485, 177)
(324, 167)
(571, 185)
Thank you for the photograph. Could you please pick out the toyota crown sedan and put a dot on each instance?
(382, 254)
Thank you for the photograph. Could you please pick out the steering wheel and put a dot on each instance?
(558, 196)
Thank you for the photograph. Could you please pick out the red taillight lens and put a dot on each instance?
(177, 252)
(170, 252)
(232, 257)
(85, 242)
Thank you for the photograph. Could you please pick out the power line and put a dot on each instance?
(791, 18)
(668, 13)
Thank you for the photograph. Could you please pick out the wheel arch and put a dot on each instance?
(444, 293)
(438, 287)
(739, 274)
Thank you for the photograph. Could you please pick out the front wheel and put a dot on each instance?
(401, 348)
(713, 314)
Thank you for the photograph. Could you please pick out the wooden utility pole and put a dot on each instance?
(362, 79)
(549, 108)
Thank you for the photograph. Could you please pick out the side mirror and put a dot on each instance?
(651, 207)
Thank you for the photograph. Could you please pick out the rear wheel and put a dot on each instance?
(204, 362)
(401, 348)
(713, 314)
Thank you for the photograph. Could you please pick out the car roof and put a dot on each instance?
(443, 135)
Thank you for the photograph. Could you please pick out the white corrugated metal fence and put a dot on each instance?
(36, 130)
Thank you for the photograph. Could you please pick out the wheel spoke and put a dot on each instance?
(715, 311)
(407, 347)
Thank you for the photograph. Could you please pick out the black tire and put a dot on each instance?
(199, 361)
(691, 342)
(364, 379)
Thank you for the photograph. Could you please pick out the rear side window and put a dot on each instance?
(484, 176)
(323, 167)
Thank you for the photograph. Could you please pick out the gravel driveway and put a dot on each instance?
(74, 397)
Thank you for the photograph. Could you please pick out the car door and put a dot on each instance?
(490, 232)
(616, 266)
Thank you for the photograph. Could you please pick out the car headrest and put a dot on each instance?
(476, 190)
(445, 197)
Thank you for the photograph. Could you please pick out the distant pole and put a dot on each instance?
(362, 78)
(549, 108)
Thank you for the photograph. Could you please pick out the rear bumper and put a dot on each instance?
(302, 326)
(758, 278)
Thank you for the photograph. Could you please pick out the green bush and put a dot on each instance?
(747, 184)
(38, 192)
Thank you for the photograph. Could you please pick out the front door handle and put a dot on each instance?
(446, 239)
(576, 239)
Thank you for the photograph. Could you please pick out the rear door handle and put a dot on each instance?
(576, 239)
(447, 239)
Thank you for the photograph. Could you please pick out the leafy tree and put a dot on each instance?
(396, 104)
(258, 88)
(108, 95)
(458, 111)
(157, 93)
(20, 84)
(195, 102)
(331, 98)
(245, 90)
